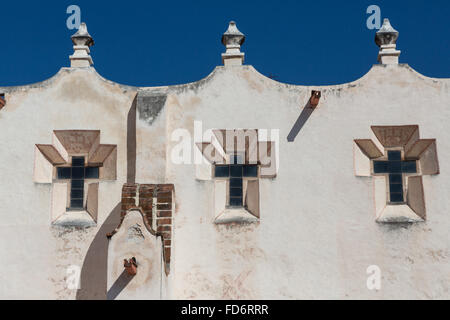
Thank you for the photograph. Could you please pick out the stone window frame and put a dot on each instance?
(407, 139)
(217, 151)
(65, 145)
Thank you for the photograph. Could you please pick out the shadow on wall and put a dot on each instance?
(93, 280)
(131, 143)
(119, 285)
(304, 116)
(94, 272)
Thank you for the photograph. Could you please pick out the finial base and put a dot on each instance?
(81, 57)
(388, 54)
(233, 59)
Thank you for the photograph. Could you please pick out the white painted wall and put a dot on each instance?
(134, 240)
(38, 254)
(317, 233)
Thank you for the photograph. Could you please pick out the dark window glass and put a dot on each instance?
(236, 202)
(78, 173)
(235, 182)
(250, 171)
(409, 166)
(236, 171)
(222, 171)
(380, 166)
(77, 184)
(394, 155)
(78, 162)
(76, 204)
(395, 178)
(396, 188)
(235, 192)
(77, 194)
(63, 173)
(394, 166)
(91, 173)
(396, 197)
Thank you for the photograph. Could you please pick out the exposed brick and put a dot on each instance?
(167, 235)
(128, 206)
(161, 222)
(164, 214)
(128, 201)
(167, 251)
(146, 194)
(164, 228)
(164, 200)
(167, 206)
(164, 194)
(129, 188)
(165, 187)
(147, 207)
(146, 188)
(130, 184)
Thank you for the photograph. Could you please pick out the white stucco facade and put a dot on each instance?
(316, 234)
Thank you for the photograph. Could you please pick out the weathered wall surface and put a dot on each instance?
(317, 234)
(134, 240)
(38, 253)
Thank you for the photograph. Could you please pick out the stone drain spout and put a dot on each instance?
(130, 266)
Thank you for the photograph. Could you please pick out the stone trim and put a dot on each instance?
(65, 144)
(407, 140)
(255, 150)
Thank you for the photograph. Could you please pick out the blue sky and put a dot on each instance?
(150, 43)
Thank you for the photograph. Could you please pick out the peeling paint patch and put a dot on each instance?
(135, 234)
(150, 106)
(71, 243)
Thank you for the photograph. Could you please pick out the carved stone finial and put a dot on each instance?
(386, 39)
(386, 35)
(81, 40)
(232, 39)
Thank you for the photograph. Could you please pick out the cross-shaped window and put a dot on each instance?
(235, 172)
(395, 168)
(77, 174)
